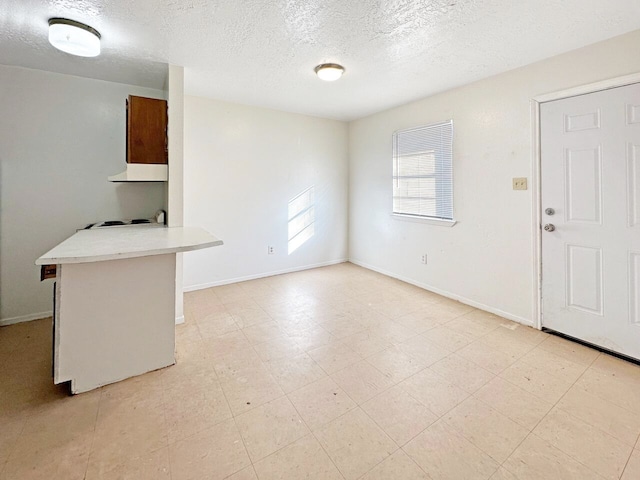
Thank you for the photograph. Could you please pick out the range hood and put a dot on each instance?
(142, 172)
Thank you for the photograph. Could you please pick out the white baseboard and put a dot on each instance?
(25, 318)
(453, 296)
(39, 316)
(192, 288)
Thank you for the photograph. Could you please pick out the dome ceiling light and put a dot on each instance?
(74, 37)
(329, 72)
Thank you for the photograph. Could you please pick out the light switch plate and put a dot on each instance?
(520, 183)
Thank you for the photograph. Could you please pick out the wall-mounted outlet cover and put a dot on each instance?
(423, 259)
(271, 250)
(520, 183)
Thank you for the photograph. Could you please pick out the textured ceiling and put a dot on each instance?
(262, 52)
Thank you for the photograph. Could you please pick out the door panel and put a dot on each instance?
(633, 113)
(633, 179)
(634, 287)
(583, 185)
(590, 146)
(575, 122)
(584, 278)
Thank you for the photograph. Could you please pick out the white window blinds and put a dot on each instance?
(423, 171)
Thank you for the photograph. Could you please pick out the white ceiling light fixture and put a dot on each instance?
(329, 72)
(74, 37)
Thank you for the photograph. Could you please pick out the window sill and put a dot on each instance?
(431, 221)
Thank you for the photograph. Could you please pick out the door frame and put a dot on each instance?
(536, 172)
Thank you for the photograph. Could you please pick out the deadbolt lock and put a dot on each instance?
(549, 211)
(549, 227)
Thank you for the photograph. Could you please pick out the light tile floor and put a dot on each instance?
(332, 373)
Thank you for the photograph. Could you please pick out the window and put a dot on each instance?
(423, 171)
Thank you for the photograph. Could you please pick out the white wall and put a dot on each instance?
(486, 258)
(60, 137)
(242, 166)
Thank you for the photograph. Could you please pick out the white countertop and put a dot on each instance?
(97, 245)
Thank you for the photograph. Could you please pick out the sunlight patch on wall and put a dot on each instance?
(302, 218)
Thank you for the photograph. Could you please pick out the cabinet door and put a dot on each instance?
(146, 130)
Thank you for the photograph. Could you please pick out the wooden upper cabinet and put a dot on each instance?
(146, 130)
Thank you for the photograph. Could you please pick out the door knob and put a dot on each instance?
(549, 227)
(549, 211)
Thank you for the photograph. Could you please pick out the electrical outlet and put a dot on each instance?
(520, 183)
(424, 259)
(271, 250)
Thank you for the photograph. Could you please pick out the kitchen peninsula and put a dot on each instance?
(114, 307)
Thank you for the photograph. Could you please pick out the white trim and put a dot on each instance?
(192, 288)
(25, 318)
(180, 320)
(453, 296)
(536, 305)
(589, 88)
(536, 161)
(441, 222)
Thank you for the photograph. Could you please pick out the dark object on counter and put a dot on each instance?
(48, 271)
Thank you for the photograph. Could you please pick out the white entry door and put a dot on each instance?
(590, 146)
